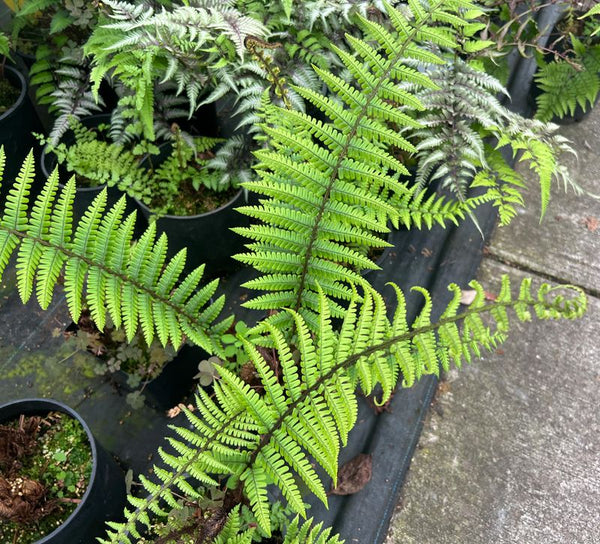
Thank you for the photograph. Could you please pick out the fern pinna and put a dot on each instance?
(133, 283)
(332, 185)
(255, 436)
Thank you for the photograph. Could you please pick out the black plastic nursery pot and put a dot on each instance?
(84, 195)
(207, 236)
(104, 498)
(16, 127)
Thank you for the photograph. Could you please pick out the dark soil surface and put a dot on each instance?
(8, 95)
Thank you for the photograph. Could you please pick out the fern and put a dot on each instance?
(186, 45)
(255, 438)
(566, 84)
(306, 534)
(329, 184)
(60, 72)
(460, 115)
(133, 284)
(450, 144)
(540, 147)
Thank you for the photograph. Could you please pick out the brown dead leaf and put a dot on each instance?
(444, 387)
(354, 475)
(468, 296)
(176, 410)
(426, 252)
(591, 223)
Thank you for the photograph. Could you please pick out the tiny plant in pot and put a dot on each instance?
(180, 184)
(45, 466)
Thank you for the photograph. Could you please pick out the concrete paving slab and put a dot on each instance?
(565, 244)
(510, 453)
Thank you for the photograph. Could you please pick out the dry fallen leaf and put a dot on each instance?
(591, 223)
(354, 475)
(176, 410)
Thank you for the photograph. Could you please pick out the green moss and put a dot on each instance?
(62, 462)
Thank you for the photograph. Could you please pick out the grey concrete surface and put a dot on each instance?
(510, 452)
(566, 243)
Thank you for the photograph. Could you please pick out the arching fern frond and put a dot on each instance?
(275, 432)
(103, 270)
(329, 183)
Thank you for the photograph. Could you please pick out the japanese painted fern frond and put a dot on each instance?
(103, 270)
(141, 45)
(333, 184)
(460, 115)
(275, 432)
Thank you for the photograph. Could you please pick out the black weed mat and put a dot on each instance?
(36, 362)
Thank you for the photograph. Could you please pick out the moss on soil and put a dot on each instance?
(62, 462)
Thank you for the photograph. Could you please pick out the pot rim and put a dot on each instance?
(21, 98)
(45, 154)
(227, 204)
(150, 213)
(61, 407)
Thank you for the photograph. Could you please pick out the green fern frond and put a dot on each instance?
(102, 270)
(504, 185)
(565, 84)
(538, 145)
(329, 183)
(256, 436)
(308, 534)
